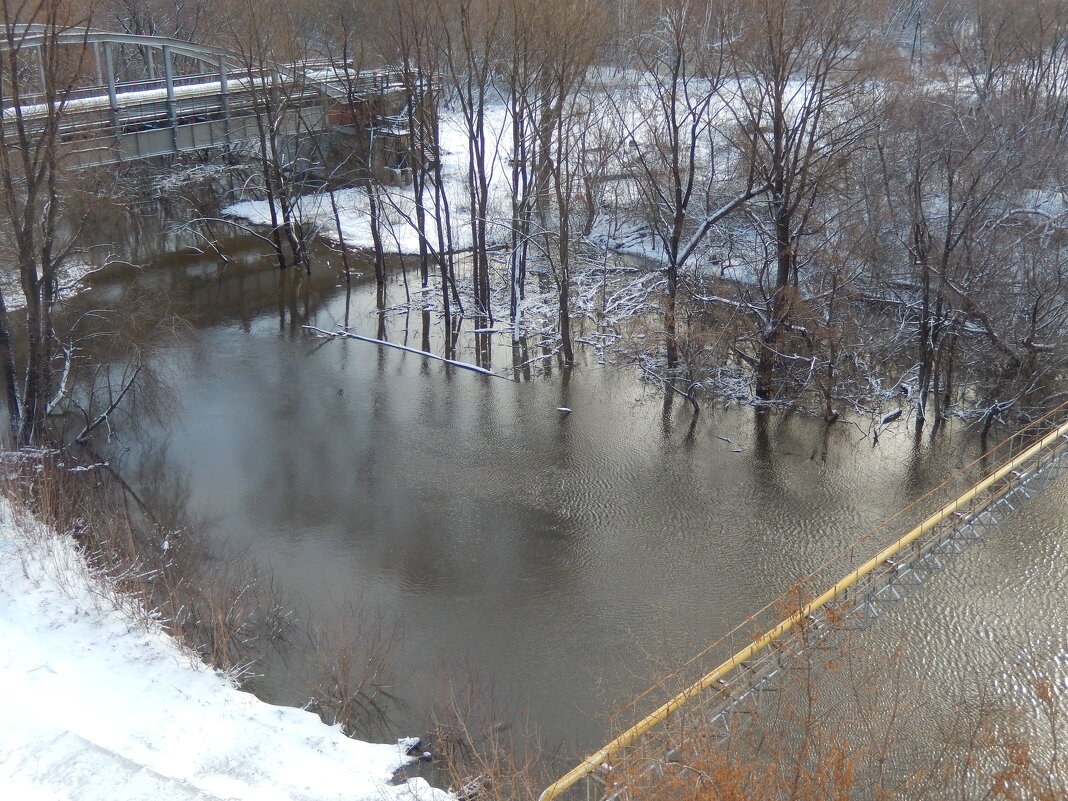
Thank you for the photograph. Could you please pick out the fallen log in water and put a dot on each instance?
(465, 365)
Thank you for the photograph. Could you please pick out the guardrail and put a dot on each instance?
(853, 599)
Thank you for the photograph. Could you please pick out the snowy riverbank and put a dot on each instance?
(398, 229)
(97, 703)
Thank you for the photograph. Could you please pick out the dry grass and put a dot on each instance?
(480, 748)
(845, 725)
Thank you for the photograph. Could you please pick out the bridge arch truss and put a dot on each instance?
(135, 97)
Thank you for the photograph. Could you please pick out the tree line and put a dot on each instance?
(839, 200)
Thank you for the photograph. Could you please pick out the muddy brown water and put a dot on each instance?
(563, 559)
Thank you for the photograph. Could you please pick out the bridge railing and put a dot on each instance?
(95, 90)
(95, 131)
(765, 645)
(198, 110)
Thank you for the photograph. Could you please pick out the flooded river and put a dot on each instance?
(566, 559)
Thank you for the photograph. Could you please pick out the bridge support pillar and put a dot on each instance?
(224, 101)
(168, 78)
(113, 101)
(99, 64)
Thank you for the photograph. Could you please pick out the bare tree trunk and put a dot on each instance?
(376, 237)
(7, 367)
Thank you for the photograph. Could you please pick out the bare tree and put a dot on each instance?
(270, 55)
(420, 53)
(972, 171)
(801, 104)
(471, 39)
(563, 114)
(670, 128)
(40, 70)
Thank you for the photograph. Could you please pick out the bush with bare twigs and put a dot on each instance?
(846, 725)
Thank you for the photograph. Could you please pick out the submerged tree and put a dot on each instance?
(673, 142)
(471, 38)
(802, 104)
(972, 167)
(271, 58)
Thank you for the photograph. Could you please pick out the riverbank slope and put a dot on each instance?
(97, 702)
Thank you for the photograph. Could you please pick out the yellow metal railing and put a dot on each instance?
(592, 762)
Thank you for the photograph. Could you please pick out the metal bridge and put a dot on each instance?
(765, 647)
(135, 97)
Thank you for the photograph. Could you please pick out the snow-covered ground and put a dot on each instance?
(97, 703)
(618, 225)
(399, 232)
